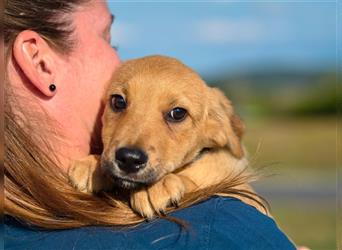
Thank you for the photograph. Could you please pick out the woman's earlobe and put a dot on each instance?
(34, 57)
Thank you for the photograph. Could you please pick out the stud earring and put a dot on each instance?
(52, 87)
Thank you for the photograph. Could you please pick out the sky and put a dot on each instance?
(236, 36)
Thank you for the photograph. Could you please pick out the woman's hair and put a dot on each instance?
(50, 18)
(37, 191)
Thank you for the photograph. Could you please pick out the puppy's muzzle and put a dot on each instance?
(131, 160)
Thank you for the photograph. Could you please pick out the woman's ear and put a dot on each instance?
(223, 128)
(34, 57)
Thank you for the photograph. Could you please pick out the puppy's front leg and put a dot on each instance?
(86, 175)
(154, 199)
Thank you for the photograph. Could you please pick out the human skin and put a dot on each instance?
(80, 77)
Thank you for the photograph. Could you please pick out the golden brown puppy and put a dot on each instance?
(165, 133)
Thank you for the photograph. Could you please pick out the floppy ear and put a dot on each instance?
(223, 128)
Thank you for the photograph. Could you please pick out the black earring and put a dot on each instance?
(52, 87)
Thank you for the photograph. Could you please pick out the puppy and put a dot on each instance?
(165, 133)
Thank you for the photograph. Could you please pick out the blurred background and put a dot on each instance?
(276, 60)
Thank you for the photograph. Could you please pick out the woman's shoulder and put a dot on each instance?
(237, 223)
(217, 223)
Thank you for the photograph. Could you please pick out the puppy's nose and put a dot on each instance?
(131, 160)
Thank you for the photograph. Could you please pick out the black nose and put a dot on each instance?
(131, 160)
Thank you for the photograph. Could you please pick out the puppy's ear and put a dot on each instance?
(223, 128)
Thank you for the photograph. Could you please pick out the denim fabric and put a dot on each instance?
(218, 223)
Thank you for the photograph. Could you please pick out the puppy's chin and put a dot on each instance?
(127, 183)
(133, 181)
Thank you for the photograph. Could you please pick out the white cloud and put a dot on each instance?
(124, 34)
(222, 31)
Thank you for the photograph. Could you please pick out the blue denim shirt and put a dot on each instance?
(218, 223)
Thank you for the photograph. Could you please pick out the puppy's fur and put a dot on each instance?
(201, 150)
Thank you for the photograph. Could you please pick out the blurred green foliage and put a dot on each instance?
(282, 93)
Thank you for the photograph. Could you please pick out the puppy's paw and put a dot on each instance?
(154, 199)
(84, 174)
(167, 191)
(140, 203)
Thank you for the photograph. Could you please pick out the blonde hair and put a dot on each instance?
(37, 191)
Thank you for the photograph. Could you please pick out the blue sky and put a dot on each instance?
(213, 37)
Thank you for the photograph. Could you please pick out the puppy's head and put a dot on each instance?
(159, 116)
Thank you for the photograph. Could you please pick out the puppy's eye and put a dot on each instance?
(118, 103)
(176, 115)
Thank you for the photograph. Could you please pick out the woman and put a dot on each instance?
(58, 59)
